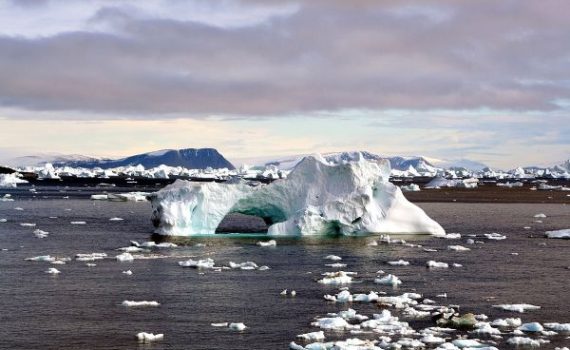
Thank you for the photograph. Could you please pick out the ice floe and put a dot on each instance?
(237, 326)
(458, 248)
(336, 278)
(399, 263)
(40, 233)
(525, 341)
(116, 219)
(270, 243)
(389, 280)
(53, 271)
(437, 264)
(495, 236)
(145, 337)
(506, 322)
(562, 234)
(125, 257)
(521, 308)
(90, 256)
(143, 303)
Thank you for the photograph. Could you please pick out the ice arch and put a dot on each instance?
(349, 198)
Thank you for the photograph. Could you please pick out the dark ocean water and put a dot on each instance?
(80, 308)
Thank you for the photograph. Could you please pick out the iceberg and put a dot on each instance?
(317, 198)
(11, 180)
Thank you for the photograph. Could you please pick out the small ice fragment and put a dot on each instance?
(521, 308)
(293, 293)
(46, 258)
(90, 265)
(3, 220)
(198, 264)
(336, 278)
(220, 324)
(457, 265)
(145, 337)
(467, 343)
(336, 265)
(437, 264)
(524, 341)
(390, 280)
(78, 222)
(40, 233)
(271, 243)
(558, 327)
(540, 216)
(125, 257)
(451, 236)
(127, 272)
(399, 263)
(90, 256)
(458, 248)
(495, 236)
(53, 271)
(99, 197)
(116, 219)
(283, 292)
(506, 322)
(333, 257)
(431, 339)
(143, 303)
(313, 336)
(27, 224)
(237, 326)
(558, 234)
(531, 327)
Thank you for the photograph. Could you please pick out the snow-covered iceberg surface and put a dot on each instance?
(318, 197)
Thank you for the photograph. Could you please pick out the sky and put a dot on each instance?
(483, 80)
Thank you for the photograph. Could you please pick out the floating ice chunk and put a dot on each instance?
(116, 219)
(53, 271)
(263, 268)
(451, 236)
(558, 327)
(132, 249)
(219, 324)
(78, 222)
(99, 197)
(331, 323)
(336, 278)
(45, 258)
(525, 341)
(11, 180)
(27, 224)
(3, 220)
(531, 327)
(313, 336)
(372, 243)
(127, 272)
(467, 343)
(333, 257)
(457, 265)
(495, 236)
(90, 265)
(558, 234)
(125, 257)
(143, 303)
(295, 346)
(293, 293)
(271, 243)
(442, 295)
(540, 216)
(19, 208)
(431, 339)
(506, 322)
(399, 263)
(145, 337)
(237, 326)
(90, 256)
(248, 265)
(485, 328)
(521, 308)
(207, 263)
(366, 298)
(458, 248)
(40, 233)
(166, 245)
(336, 265)
(342, 297)
(389, 280)
(437, 265)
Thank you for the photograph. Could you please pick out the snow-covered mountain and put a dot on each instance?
(191, 158)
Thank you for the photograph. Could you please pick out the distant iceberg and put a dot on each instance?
(348, 197)
(10, 180)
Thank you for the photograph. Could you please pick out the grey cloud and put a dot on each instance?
(328, 55)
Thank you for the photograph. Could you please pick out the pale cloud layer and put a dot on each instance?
(483, 79)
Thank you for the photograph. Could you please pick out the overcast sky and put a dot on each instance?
(485, 80)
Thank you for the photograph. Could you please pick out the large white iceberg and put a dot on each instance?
(349, 198)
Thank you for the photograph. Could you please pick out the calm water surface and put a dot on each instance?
(80, 308)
